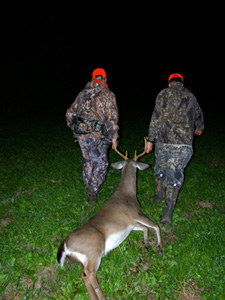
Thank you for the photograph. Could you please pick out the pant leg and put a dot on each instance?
(178, 157)
(95, 163)
(161, 160)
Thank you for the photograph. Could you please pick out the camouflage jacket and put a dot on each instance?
(96, 102)
(175, 117)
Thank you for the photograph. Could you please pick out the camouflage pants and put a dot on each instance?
(95, 162)
(171, 161)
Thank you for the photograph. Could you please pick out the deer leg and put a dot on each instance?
(142, 220)
(90, 270)
(89, 287)
(140, 227)
(96, 287)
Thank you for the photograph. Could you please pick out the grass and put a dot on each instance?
(43, 199)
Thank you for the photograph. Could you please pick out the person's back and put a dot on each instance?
(96, 102)
(179, 110)
(175, 116)
(91, 102)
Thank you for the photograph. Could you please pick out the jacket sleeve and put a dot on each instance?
(72, 110)
(112, 115)
(155, 123)
(199, 119)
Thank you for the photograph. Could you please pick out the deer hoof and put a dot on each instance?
(159, 251)
(145, 248)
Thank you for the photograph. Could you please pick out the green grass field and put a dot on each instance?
(42, 199)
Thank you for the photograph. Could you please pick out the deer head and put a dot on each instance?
(139, 165)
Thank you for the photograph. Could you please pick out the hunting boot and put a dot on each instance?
(92, 196)
(172, 192)
(160, 191)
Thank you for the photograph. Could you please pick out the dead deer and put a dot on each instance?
(120, 215)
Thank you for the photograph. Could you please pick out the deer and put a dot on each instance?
(112, 224)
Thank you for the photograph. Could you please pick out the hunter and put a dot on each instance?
(93, 118)
(177, 116)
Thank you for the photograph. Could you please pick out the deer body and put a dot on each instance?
(108, 229)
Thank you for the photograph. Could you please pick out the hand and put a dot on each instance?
(114, 141)
(149, 147)
(198, 132)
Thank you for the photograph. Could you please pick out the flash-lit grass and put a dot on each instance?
(43, 199)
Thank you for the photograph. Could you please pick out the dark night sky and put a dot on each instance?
(49, 50)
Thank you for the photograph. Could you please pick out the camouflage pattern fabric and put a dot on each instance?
(175, 117)
(95, 162)
(171, 161)
(96, 102)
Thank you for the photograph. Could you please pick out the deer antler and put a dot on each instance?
(115, 148)
(136, 157)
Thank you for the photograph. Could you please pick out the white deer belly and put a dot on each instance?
(115, 239)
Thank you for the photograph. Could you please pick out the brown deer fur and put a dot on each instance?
(120, 215)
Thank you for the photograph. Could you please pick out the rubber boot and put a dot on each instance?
(160, 191)
(92, 196)
(172, 192)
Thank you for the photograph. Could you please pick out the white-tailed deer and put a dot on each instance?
(120, 215)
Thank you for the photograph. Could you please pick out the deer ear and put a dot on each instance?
(118, 165)
(142, 166)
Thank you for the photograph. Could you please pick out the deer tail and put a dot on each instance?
(61, 255)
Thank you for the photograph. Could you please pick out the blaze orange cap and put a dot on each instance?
(99, 71)
(175, 75)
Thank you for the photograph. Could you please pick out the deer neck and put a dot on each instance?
(128, 182)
